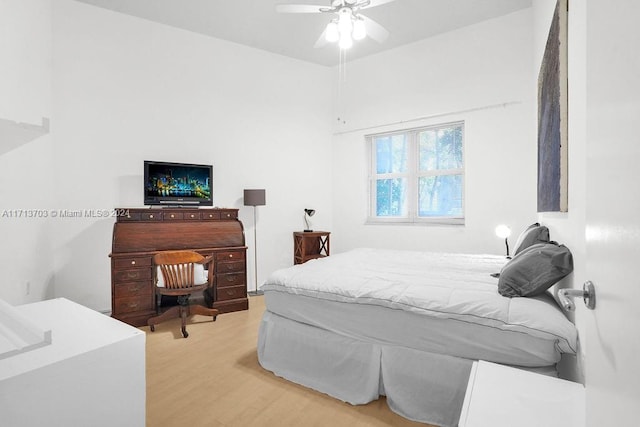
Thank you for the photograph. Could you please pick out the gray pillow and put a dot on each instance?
(535, 233)
(534, 270)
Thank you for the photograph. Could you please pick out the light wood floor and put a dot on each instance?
(213, 379)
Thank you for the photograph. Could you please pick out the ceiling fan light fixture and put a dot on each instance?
(345, 41)
(345, 24)
(359, 29)
(331, 33)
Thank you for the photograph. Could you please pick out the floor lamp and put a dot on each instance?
(255, 198)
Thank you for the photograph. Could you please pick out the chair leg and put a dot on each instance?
(171, 313)
(183, 316)
(204, 311)
(182, 310)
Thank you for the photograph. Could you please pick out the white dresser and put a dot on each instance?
(500, 396)
(91, 374)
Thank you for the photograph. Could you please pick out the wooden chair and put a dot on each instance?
(181, 275)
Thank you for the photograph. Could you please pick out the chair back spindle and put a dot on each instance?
(177, 276)
(178, 268)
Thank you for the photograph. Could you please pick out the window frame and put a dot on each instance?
(412, 175)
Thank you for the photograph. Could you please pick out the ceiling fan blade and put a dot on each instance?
(299, 8)
(375, 30)
(374, 3)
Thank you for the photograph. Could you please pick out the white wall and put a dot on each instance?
(148, 91)
(25, 63)
(26, 256)
(460, 75)
(126, 90)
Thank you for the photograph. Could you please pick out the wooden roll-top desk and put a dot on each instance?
(141, 232)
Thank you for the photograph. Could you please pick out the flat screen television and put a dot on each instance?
(177, 184)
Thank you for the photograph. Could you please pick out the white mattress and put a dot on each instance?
(442, 303)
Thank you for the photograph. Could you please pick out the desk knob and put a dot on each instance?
(133, 263)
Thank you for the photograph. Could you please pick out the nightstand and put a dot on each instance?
(310, 245)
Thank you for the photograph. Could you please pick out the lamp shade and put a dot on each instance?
(332, 34)
(255, 197)
(359, 29)
(503, 231)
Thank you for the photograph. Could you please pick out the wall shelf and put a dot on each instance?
(18, 334)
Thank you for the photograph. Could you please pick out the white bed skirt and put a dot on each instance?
(419, 385)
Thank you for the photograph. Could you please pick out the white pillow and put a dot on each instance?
(200, 275)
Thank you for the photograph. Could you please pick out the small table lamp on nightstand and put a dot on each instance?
(308, 213)
(503, 232)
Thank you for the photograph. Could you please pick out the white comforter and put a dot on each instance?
(443, 285)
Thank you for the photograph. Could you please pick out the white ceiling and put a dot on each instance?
(255, 23)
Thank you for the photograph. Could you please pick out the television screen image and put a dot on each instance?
(177, 184)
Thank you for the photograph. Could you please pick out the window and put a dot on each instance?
(417, 175)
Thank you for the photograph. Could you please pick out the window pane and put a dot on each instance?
(391, 154)
(440, 148)
(391, 197)
(440, 195)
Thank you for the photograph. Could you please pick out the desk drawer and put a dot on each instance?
(132, 304)
(125, 215)
(209, 216)
(231, 279)
(230, 256)
(133, 275)
(192, 216)
(151, 216)
(234, 292)
(230, 267)
(131, 262)
(132, 289)
(228, 215)
(173, 216)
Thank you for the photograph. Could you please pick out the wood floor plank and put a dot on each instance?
(213, 379)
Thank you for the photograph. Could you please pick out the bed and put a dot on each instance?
(404, 324)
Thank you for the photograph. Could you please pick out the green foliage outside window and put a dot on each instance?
(420, 171)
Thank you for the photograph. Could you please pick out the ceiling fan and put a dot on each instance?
(348, 24)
